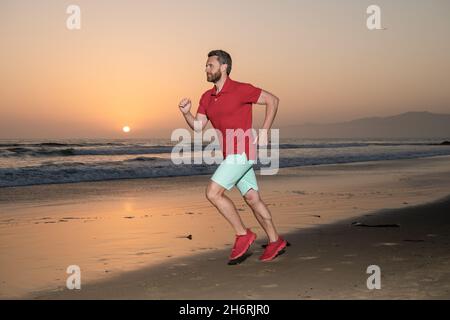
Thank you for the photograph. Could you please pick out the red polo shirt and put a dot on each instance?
(231, 108)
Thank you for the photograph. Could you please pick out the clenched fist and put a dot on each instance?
(185, 105)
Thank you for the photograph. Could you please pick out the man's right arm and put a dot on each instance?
(197, 123)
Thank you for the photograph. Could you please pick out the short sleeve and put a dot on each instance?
(250, 93)
(202, 106)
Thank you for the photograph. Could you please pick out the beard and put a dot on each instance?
(214, 77)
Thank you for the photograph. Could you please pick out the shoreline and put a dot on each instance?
(370, 163)
(189, 175)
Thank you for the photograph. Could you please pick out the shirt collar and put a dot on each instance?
(226, 86)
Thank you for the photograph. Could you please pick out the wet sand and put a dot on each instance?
(328, 262)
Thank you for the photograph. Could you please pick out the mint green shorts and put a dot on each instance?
(236, 170)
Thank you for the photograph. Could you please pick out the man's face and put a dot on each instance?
(213, 69)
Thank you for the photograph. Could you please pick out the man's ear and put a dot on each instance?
(223, 67)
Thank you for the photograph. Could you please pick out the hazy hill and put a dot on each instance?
(405, 125)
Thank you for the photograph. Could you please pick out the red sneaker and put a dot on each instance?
(241, 244)
(273, 249)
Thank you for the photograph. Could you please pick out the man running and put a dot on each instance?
(229, 106)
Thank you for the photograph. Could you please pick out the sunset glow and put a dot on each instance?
(322, 72)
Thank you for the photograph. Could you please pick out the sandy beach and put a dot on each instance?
(159, 238)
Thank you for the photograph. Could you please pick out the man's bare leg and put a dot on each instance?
(215, 193)
(261, 213)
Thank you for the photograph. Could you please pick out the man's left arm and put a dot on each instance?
(271, 101)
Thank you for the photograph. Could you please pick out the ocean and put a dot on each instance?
(31, 162)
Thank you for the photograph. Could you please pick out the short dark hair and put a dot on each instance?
(223, 57)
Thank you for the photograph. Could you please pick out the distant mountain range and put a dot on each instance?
(405, 125)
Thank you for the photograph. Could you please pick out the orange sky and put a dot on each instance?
(132, 61)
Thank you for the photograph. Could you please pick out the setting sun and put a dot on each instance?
(126, 129)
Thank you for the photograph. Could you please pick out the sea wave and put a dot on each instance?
(49, 172)
(50, 149)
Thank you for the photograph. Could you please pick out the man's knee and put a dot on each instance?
(214, 191)
(252, 198)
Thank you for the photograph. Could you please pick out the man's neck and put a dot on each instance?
(219, 84)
